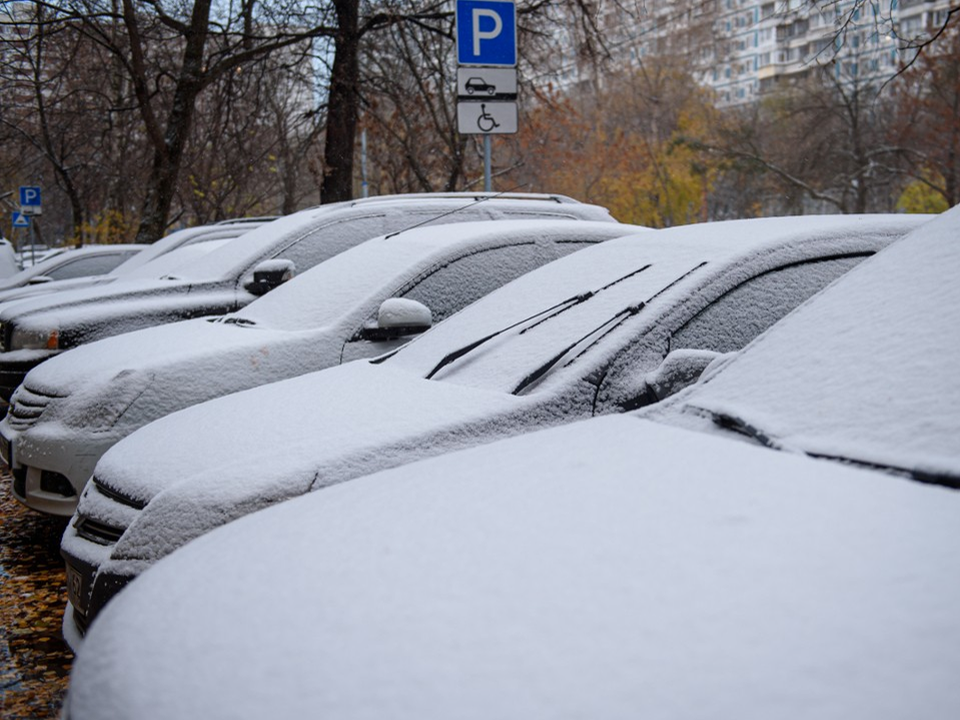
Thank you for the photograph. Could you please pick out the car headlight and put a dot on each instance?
(27, 338)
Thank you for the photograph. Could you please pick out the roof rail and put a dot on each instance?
(476, 196)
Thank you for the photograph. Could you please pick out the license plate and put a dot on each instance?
(77, 589)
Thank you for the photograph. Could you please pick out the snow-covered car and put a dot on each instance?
(575, 338)
(8, 259)
(133, 266)
(87, 261)
(362, 302)
(612, 568)
(36, 329)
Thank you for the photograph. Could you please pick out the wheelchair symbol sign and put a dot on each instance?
(487, 118)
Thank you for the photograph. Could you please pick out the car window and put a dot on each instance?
(331, 239)
(738, 316)
(455, 284)
(90, 265)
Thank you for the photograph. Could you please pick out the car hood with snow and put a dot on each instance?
(611, 568)
(569, 340)
(73, 407)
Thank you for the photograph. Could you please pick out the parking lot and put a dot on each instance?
(34, 661)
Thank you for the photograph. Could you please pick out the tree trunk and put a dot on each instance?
(343, 106)
(168, 155)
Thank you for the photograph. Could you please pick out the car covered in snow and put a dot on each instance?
(35, 329)
(72, 264)
(776, 541)
(131, 267)
(575, 338)
(362, 302)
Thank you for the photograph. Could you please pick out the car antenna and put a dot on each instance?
(476, 201)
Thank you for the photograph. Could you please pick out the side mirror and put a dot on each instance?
(39, 280)
(679, 369)
(268, 275)
(398, 317)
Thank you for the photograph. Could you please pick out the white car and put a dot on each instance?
(570, 340)
(71, 264)
(142, 264)
(72, 408)
(35, 329)
(616, 568)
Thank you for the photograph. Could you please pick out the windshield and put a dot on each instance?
(866, 371)
(175, 262)
(180, 238)
(612, 276)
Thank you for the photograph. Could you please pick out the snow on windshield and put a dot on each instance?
(170, 263)
(504, 361)
(867, 369)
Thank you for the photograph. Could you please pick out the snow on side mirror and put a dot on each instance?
(269, 274)
(678, 370)
(399, 317)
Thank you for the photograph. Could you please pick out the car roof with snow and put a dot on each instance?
(356, 221)
(420, 209)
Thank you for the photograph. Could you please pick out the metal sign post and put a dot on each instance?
(487, 73)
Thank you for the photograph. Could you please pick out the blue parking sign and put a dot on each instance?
(487, 32)
(29, 196)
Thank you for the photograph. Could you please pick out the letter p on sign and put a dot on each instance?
(487, 32)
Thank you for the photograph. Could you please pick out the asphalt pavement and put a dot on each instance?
(34, 661)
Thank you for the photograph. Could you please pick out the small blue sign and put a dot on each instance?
(29, 196)
(20, 220)
(487, 32)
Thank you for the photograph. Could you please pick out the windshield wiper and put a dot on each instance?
(243, 322)
(617, 320)
(555, 310)
(739, 425)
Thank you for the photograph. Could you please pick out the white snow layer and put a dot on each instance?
(868, 369)
(608, 569)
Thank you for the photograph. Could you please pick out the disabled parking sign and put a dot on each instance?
(486, 32)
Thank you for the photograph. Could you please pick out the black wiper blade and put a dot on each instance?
(460, 352)
(614, 323)
(548, 365)
(555, 309)
(238, 321)
(739, 425)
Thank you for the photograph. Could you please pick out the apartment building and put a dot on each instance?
(742, 49)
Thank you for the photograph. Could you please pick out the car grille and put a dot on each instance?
(27, 407)
(98, 532)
